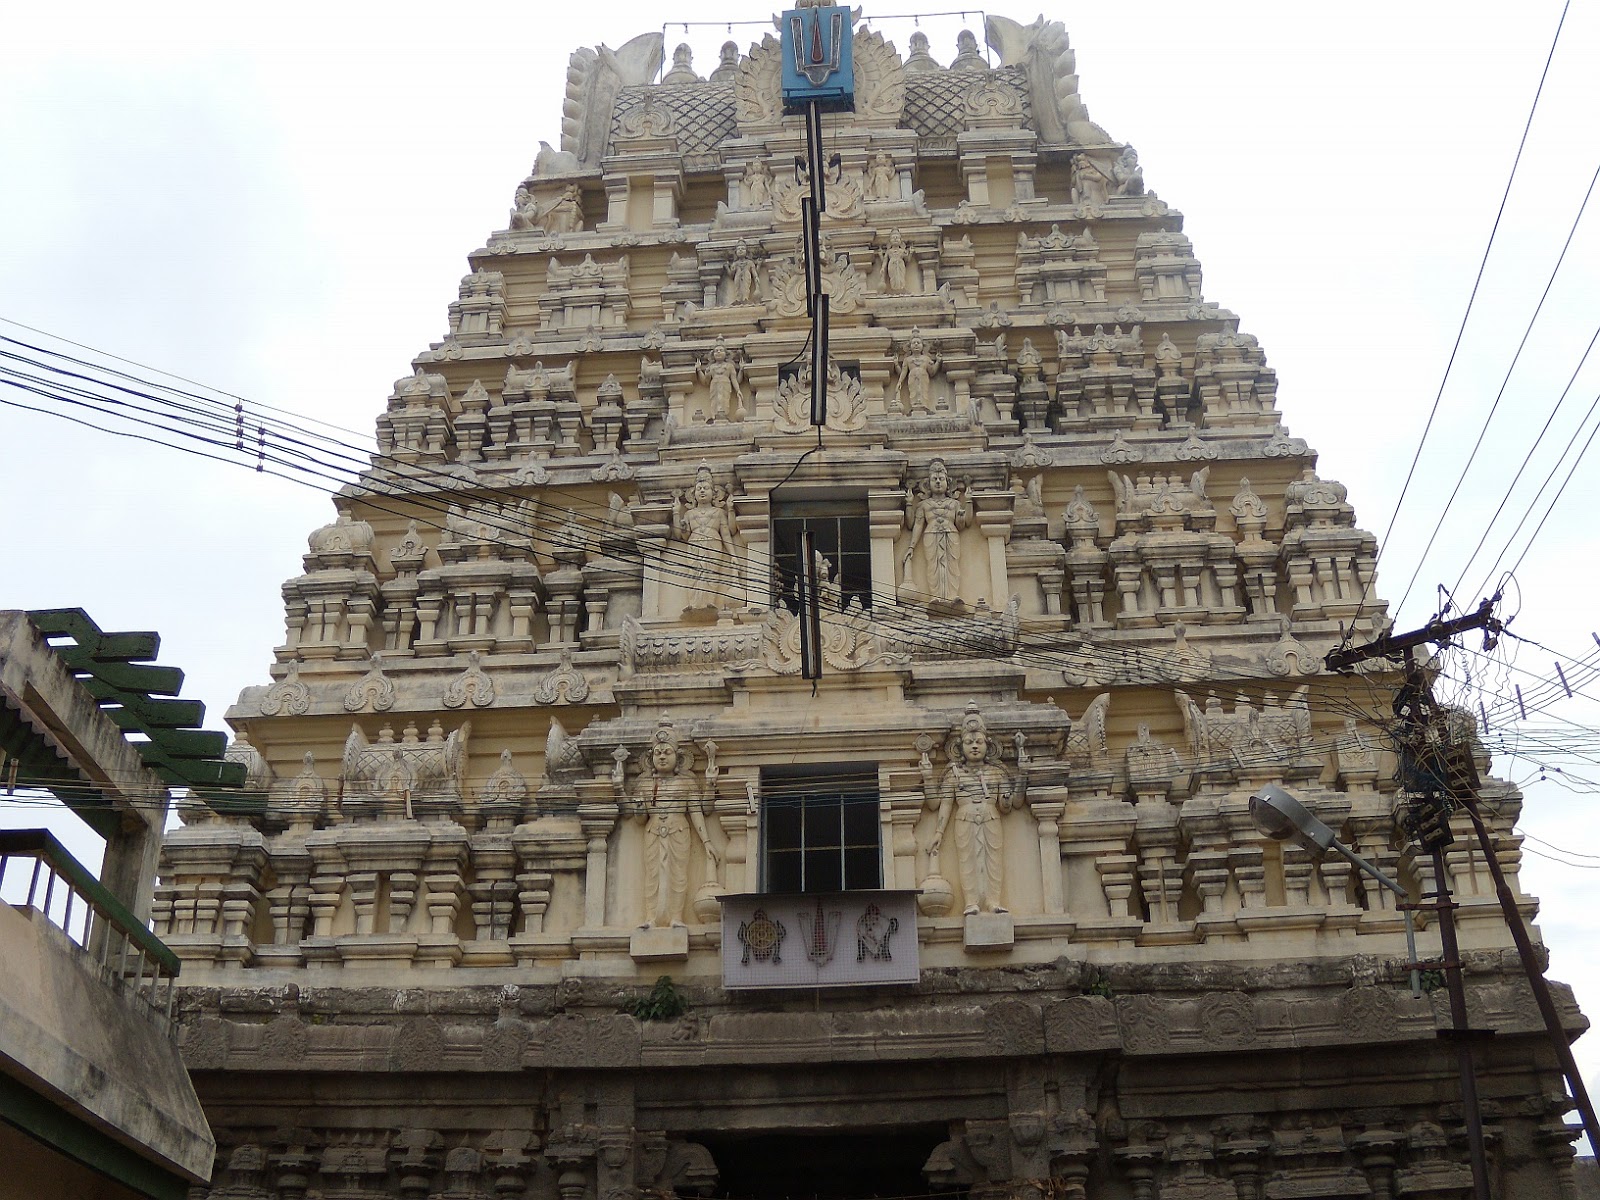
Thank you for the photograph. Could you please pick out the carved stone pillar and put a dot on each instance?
(886, 514)
(597, 816)
(1047, 810)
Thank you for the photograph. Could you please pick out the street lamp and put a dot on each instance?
(1282, 818)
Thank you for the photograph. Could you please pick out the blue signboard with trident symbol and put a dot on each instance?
(817, 67)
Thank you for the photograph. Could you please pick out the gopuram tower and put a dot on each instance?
(557, 879)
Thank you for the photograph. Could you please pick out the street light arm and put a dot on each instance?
(1356, 860)
(1351, 857)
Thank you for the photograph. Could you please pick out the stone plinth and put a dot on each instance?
(669, 944)
(989, 931)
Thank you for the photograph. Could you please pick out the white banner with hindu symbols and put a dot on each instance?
(824, 939)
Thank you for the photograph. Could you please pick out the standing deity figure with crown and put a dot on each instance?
(700, 519)
(918, 366)
(975, 792)
(937, 514)
(721, 371)
(670, 804)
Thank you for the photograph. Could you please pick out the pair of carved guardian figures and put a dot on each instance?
(969, 798)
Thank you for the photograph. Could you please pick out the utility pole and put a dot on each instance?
(1439, 774)
(818, 75)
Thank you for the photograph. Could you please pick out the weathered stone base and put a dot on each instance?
(1325, 1079)
(660, 945)
(989, 931)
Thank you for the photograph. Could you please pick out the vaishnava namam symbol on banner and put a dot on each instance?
(817, 64)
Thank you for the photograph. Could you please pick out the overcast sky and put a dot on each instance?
(280, 206)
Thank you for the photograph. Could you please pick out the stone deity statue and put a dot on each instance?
(671, 806)
(743, 285)
(701, 520)
(896, 256)
(755, 188)
(721, 372)
(975, 792)
(1127, 174)
(917, 369)
(937, 514)
(883, 182)
(1090, 183)
(525, 214)
(566, 214)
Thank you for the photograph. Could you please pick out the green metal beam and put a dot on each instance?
(114, 669)
(129, 677)
(80, 627)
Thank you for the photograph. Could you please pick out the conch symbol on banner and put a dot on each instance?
(873, 932)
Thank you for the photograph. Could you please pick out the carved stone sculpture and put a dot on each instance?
(670, 804)
(896, 257)
(968, 56)
(701, 520)
(566, 214)
(919, 60)
(975, 792)
(883, 181)
(1126, 174)
(744, 285)
(918, 366)
(727, 64)
(846, 409)
(937, 513)
(721, 372)
(1029, 364)
(1090, 182)
(595, 77)
(755, 188)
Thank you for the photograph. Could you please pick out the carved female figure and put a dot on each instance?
(701, 520)
(670, 805)
(896, 255)
(742, 283)
(937, 517)
(917, 369)
(755, 190)
(721, 372)
(975, 792)
(882, 179)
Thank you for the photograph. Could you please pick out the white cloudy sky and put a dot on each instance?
(279, 205)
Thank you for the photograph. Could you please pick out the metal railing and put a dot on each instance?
(127, 955)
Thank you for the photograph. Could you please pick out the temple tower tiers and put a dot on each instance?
(536, 735)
